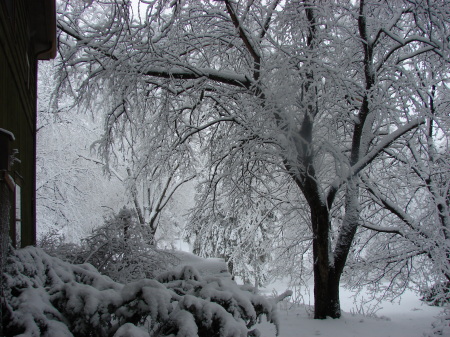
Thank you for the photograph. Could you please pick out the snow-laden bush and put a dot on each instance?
(46, 296)
(441, 326)
(437, 295)
(121, 249)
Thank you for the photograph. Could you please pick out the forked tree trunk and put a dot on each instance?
(326, 285)
(329, 264)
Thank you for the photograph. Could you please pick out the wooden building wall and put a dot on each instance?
(18, 66)
(27, 33)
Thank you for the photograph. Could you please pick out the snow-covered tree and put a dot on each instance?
(71, 195)
(409, 189)
(73, 179)
(293, 95)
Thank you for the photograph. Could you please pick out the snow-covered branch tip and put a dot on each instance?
(283, 296)
(101, 163)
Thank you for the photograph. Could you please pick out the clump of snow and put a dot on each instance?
(47, 296)
(210, 316)
(209, 266)
(283, 296)
(129, 329)
(183, 272)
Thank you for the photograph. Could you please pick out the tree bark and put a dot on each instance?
(326, 281)
(320, 224)
(334, 304)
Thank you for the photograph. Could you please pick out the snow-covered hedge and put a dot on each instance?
(48, 297)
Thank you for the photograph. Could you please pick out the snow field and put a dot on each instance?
(407, 317)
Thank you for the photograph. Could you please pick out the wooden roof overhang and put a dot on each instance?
(43, 28)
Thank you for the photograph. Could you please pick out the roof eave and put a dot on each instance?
(43, 28)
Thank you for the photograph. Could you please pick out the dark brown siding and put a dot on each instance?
(18, 104)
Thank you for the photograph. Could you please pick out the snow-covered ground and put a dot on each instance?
(408, 317)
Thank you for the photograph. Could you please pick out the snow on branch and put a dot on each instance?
(383, 144)
(249, 44)
(83, 41)
(389, 205)
(382, 229)
(181, 73)
(368, 158)
(226, 77)
(99, 162)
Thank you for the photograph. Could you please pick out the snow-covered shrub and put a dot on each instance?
(213, 300)
(437, 295)
(120, 249)
(55, 244)
(441, 326)
(46, 296)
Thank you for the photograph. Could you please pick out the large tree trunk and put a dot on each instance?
(321, 262)
(326, 279)
(334, 304)
(326, 284)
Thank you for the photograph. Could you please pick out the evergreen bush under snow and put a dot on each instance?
(46, 296)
